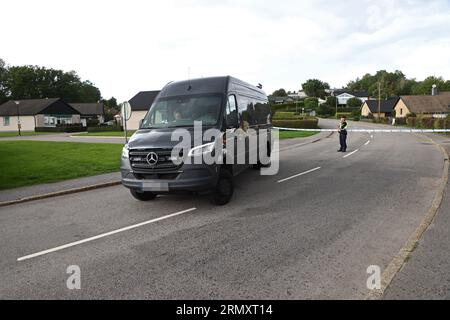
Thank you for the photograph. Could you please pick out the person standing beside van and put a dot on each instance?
(343, 134)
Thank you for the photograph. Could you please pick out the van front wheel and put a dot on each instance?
(224, 188)
(143, 196)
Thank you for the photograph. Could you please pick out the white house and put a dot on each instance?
(34, 113)
(140, 104)
(344, 95)
(90, 111)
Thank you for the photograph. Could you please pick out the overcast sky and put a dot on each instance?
(127, 46)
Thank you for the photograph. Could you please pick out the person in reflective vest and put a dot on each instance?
(343, 134)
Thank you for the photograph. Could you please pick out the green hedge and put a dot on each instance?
(427, 122)
(104, 128)
(283, 115)
(289, 107)
(60, 129)
(344, 114)
(311, 123)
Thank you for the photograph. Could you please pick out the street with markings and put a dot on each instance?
(311, 231)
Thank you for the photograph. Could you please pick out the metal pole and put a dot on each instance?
(18, 117)
(336, 107)
(379, 100)
(125, 116)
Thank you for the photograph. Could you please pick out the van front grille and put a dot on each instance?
(142, 162)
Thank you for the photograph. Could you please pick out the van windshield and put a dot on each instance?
(183, 111)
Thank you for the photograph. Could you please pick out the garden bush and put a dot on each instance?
(104, 128)
(311, 123)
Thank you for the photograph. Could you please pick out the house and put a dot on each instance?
(385, 108)
(343, 95)
(280, 100)
(437, 105)
(302, 94)
(140, 104)
(90, 112)
(34, 113)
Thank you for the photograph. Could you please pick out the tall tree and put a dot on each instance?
(280, 93)
(425, 86)
(391, 84)
(34, 82)
(315, 88)
(3, 73)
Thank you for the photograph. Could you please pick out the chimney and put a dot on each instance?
(434, 90)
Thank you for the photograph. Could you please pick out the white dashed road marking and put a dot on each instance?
(68, 245)
(298, 175)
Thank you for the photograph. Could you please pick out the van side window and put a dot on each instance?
(262, 112)
(246, 106)
(232, 112)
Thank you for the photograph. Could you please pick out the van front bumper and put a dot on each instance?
(190, 178)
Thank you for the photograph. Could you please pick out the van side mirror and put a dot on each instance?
(232, 121)
(140, 123)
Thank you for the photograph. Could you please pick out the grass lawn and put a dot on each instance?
(23, 133)
(108, 133)
(24, 163)
(296, 134)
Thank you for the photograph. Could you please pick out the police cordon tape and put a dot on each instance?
(370, 130)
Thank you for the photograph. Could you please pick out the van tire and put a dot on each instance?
(224, 188)
(143, 196)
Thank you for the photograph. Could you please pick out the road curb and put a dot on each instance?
(405, 252)
(59, 193)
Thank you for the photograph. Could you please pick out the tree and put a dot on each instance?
(311, 103)
(34, 82)
(280, 93)
(325, 110)
(425, 86)
(111, 108)
(3, 73)
(392, 84)
(315, 88)
(354, 103)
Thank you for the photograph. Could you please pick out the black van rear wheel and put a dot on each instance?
(224, 188)
(143, 196)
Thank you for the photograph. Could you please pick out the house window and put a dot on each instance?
(401, 111)
(6, 121)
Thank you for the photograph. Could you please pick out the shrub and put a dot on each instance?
(104, 128)
(400, 121)
(354, 103)
(68, 128)
(356, 113)
(343, 114)
(93, 122)
(284, 115)
(325, 110)
(310, 123)
(311, 103)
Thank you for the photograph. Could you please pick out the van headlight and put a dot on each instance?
(125, 151)
(199, 150)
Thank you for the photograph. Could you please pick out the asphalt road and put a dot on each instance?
(312, 236)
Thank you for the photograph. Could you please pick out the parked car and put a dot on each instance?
(227, 104)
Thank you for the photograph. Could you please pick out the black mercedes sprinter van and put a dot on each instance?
(229, 105)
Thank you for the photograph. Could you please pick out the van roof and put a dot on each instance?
(209, 85)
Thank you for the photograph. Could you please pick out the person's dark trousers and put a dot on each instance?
(343, 141)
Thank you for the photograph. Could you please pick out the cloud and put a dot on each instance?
(127, 46)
